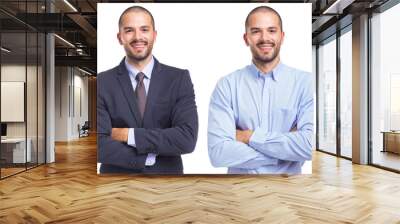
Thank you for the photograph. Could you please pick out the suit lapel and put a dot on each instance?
(152, 94)
(126, 85)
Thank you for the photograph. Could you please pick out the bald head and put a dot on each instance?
(265, 9)
(136, 9)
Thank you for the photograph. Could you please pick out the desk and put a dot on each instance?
(391, 141)
(13, 150)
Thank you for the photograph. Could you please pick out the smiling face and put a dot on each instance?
(137, 35)
(264, 36)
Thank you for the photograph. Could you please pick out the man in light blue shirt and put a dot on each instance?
(261, 116)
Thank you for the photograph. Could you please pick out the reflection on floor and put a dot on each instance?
(386, 159)
(10, 169)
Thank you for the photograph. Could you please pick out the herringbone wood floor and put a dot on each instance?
(69, 191)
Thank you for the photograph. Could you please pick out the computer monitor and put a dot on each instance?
(3, 129)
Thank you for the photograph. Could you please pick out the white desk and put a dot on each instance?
(18, 149)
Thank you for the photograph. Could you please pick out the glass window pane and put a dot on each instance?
(13, 86)
(386, 89)
(327, 97)
(22, 87)
(346, 94)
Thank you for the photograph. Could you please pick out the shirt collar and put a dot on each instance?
(147, 70)
(275, 73)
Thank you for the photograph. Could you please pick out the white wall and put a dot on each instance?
(70, 83)
(61, 104)
(12, 73)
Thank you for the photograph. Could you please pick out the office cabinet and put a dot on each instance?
(391, 142)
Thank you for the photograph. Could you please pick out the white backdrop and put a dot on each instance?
(207, 40)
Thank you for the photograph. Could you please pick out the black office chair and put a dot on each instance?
(84, 130)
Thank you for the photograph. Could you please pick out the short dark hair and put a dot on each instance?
(264, 9)
(136, 9)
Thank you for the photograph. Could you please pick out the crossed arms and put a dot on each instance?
(251, 149)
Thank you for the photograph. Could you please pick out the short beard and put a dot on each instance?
(266, 60)
(138, 57)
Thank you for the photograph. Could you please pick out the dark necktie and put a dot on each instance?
(140, 93)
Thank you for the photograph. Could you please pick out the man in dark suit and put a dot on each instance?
(146, 111)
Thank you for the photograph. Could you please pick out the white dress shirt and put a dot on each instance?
(151, 157)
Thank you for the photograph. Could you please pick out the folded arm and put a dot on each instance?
(182, 136)
(290, 146)
(223, 148)
(110, 151)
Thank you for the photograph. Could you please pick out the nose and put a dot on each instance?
(265, 36)
(137, 35)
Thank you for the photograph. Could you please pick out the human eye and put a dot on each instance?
(255, 31)
(272, 30)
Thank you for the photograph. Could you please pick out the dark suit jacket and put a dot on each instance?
(169, 127)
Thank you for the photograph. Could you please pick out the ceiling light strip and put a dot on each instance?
(5, 50)
(64, 40)
(86, 72)
(70, 5)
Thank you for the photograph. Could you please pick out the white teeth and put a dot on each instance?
(139, 44)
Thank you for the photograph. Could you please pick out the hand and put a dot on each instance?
(120, 134)
(244, 136)
(293, 129)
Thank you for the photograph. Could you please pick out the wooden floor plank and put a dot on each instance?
(69, 191)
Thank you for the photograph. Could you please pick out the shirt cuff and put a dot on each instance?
(151, 159)
(131, 137)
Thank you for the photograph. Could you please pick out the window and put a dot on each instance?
(327, 96)
(22, 91)
(346, 75)
(385, 85)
